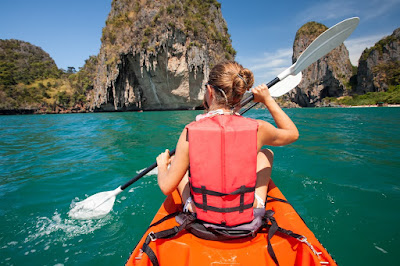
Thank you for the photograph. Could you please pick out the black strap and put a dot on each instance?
(271, 232)
(150, 253)
(241, 206)
(204, 206)
(241, 190)
(223, 210)
(285, 201)
(165, 234)
(169, 216)
(273, 228)
(278, 199)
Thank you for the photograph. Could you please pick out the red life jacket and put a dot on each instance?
(223, 168)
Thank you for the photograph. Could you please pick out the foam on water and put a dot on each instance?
(63, 228)
(152, 172)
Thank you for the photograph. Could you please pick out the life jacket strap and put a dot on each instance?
(239, 208)
(204, 190)
(205, 207)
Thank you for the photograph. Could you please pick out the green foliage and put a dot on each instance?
(137, 7)
(82, 81)
(392, 96)
(21, 62)
(145, 42)
(390, 72)
(171, 24)
(148, 31)
(311, 28)
(379, 46)
(37, 82)
(197, 20)
(354, 69)
(170, 9)
(63, 98)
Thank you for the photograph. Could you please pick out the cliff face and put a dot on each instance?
(379, 66)
(156, 55)
(325, 78)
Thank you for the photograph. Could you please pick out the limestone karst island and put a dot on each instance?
(157, 56)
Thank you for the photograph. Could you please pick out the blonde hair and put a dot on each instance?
(233, 79)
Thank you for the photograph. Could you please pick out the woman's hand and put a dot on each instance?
(261, 94)
(163, 160)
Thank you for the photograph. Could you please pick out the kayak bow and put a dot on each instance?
(187, 249)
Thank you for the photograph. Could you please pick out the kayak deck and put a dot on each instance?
(187, 249)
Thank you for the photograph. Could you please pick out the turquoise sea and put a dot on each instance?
(342, 176)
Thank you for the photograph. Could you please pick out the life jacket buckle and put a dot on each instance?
(152, 236)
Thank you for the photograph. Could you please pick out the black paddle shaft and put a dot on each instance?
(154, 165)
(143, 173)
(251, 97)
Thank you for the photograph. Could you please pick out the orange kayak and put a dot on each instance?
(187, 249)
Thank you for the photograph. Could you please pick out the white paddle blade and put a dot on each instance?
(94, 207)
(326, 42)
(286, 85)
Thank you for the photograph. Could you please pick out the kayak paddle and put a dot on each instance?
(100, 204)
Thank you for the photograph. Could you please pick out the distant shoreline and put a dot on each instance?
(375, 105)
(32, 112)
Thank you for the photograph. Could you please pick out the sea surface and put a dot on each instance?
(342, 176)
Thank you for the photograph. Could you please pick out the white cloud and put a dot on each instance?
(378, 8)
(357, 45)
(337, 9)
(331, 9)
(269, 65)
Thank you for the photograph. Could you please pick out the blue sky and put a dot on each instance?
(262, 31)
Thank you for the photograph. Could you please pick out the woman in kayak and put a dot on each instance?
(227, 84)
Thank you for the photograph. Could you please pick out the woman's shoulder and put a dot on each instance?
(264, 126)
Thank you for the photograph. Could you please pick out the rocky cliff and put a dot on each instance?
(379, 66)
(328, 77)
(156, 55)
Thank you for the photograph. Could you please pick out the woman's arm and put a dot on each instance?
(168, 179)
(286, 132)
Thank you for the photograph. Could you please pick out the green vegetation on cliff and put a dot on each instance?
(391, 96)
(379, 66)
(139, 24)
(391, 75)
(379, 46)
(30, 80)
(21, 62)
(312, 29)
(389, 72)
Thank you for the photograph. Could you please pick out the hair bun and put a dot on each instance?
(247, 77)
